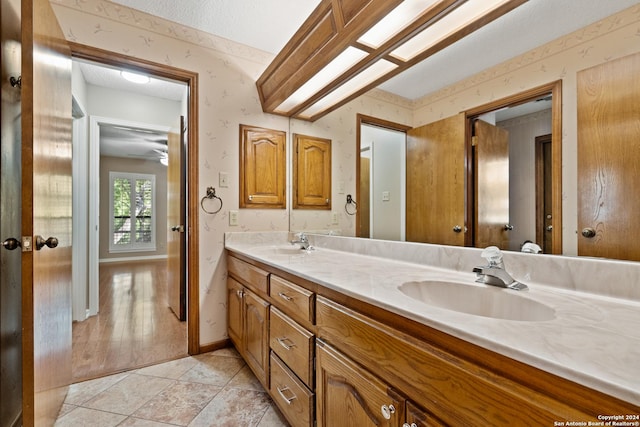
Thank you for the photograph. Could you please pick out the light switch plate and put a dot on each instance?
(340, 187)
(223, 179)
(385, 196)
(233, 218)
(334, 218)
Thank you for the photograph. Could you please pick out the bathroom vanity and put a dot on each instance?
(345, 331)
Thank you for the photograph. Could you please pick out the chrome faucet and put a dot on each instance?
(303, 241)
(494, 273)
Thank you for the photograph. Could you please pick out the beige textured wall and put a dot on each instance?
(228, 96)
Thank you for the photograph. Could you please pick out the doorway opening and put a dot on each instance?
(134, 247)
(381, 174)
(514, 176)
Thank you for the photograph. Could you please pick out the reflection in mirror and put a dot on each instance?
(516, 188)
(381, 170)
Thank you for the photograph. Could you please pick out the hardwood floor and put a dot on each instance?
(134, 327)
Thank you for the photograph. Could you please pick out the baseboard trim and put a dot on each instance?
(132, 258)
(218, 345)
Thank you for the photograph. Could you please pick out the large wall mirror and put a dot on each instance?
(490, 176)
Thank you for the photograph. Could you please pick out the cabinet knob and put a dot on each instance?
(409, 425)
(387, 411)
(240, 293)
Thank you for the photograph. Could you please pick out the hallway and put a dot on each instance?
(212, 389)
(134, 327)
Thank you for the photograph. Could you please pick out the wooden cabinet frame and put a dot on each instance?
(263, 168)
(311, 173)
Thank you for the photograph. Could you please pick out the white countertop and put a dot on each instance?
(593, 340)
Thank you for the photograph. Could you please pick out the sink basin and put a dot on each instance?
(485, 301)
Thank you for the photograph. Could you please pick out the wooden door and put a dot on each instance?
(176, 223)
(365, 195)
(312, 173)
(46, 212)
(10, 218)
(491, 173)
(609, 159)
(436, 182)
(544, 193)
(256, 335)
(349, 396)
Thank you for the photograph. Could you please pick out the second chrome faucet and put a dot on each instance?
(494, 272)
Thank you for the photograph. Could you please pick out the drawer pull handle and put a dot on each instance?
(282, 342)
(286, 399)
(284, 296)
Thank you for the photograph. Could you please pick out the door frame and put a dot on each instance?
(80, 51)
(555, 89)
(362, 119)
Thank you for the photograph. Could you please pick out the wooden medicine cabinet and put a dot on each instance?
(262, 168)
(311, 173)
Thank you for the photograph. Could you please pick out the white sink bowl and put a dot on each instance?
(478, 300)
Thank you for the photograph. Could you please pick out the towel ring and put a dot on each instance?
(211, 194)
(350, 201)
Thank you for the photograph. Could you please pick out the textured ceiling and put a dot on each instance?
(264, 24)
(268, 25)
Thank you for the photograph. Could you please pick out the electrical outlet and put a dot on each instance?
(340, 187)
(223, 179)
(385, 196)
(334, 218)
(233, 218)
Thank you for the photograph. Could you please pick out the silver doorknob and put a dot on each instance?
(549, 227)
(508, 227)
(11, 243)
(51, 242)
(588, 232)
(457, 229)
(179, 228)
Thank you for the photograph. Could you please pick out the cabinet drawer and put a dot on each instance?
(293, 344)
(250, 275)
(294, 300)
(292, 397)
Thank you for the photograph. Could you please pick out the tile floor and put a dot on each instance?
(212, 389)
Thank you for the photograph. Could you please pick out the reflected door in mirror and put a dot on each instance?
(609, 159)
(436, 182)
(491, 175)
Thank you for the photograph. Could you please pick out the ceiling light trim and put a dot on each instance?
(344, 40)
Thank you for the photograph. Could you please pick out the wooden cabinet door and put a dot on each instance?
(235, 324)
(262, 168)
(312, 173)
(256, 335)
(348, 396)
(491, 170)
(436, 182)
(608, 159)
(416, 417)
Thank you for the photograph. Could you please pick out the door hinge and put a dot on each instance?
(474, 141)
